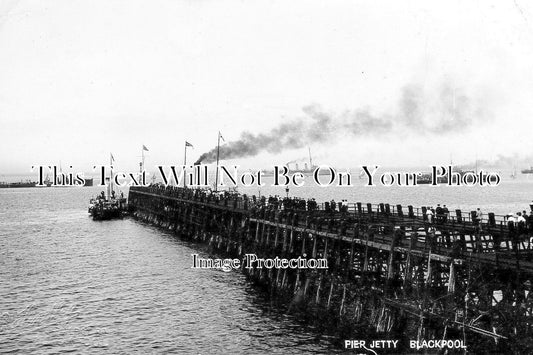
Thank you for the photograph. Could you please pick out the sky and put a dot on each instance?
(391, 83)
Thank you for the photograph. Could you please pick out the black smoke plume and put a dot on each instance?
(418, 110)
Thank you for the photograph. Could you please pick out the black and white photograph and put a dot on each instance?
(266, 177)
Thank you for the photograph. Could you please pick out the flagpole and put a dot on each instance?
(185, 165)
(111, 176)
(218, 152)
(142, 155)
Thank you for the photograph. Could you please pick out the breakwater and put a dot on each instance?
(393, 269)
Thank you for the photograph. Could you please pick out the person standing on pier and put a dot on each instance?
(530, 221)
(526, 218)
(521, 223)
(446, 213)
(429, 214)
(439, 213)
(479, 219)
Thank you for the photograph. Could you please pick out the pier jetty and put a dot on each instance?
(391, 268)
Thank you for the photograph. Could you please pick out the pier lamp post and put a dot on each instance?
(287, 191)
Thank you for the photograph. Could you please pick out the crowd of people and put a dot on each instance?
(437, 215)
(520, 221)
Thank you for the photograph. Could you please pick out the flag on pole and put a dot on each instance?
(144, 148)
(187, 144)
(220, 135)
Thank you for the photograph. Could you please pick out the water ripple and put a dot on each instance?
(73, 285)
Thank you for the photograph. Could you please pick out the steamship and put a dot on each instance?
(47, 183)
(8, 185)
(67, 183)
(107, 205)
(300, 166)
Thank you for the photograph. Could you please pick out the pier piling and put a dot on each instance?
(445, 275)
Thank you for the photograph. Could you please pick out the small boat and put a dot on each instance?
(101, 208)
(528, 171)
(47, 181)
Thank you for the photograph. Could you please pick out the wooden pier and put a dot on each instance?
(389, 267)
